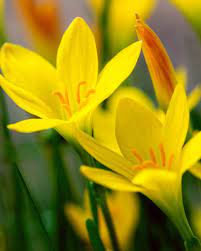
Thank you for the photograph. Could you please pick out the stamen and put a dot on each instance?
(137, 167)
(60, 96)
(78, 91)
(170, 161)
(90, 92)
(152, 155)
(149, 163)
(64, 101)
(137, 155)
(162, 151)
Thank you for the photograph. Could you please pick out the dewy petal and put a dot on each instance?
(117, 70)
(77, 59)
(137, 129)
(35, 125)
(176, 122)
(194, 97)
(26, 100)
(191, 152)
(105, 156)
(30, 72)
(108, 179)
(159, 64)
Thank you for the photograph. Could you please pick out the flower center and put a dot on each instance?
(81, 99)
(152, 162)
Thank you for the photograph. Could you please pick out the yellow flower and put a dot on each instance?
(124, 208)
(154, 157)
(191, 9)
(162, 72)
(43, 24)
(121, 18)
(66, 95)
(105, 118)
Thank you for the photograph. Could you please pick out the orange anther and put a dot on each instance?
(149, 163)
(90, 92)
(136, 167)
(137, 155)
(170, 161)
(60, 96)
(152, 155)
(78, 91)
(64, 101)
(162, 151)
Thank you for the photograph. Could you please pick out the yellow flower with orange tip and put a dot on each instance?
(66, 95)
(161, 69)
(124, 208)
(121, 18)
(191, 9)
(154, 158)
(43, 24)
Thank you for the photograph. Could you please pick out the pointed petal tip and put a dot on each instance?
(7, 47)
(78, 21)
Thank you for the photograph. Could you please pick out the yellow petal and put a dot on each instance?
(113, 74)
(122, 20)
(26, 100)
(117, 70)
(35, 125)
(191, 152)
(105, 118)
(196, 170)
(77, 217)
(158, 62)
(30, 72)
(132, 93)
(194, 97)
(105, 156)
(181, 75)
(137, 129)
(176, 122)
(77, 60)
(124, 208)
(164, 189)
(108, 179)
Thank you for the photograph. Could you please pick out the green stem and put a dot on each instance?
(93, 204)
(19, 181)
(191, 243)
(101, 197)
(65, 239)
(94, 236)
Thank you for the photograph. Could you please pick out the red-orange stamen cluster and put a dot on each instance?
(152, 163)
